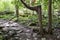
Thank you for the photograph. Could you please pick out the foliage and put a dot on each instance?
(29, 16)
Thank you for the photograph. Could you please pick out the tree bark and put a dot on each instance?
(49, 16)
(39, 13)
(17, 12)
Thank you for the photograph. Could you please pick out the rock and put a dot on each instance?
(15, 31)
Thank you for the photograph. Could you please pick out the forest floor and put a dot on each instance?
(14, 29)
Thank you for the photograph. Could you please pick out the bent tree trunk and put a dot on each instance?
(39, 12)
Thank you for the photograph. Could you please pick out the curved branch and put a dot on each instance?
(35, 8)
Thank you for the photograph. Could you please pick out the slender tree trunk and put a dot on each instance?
(49, 16)
(17, 11)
